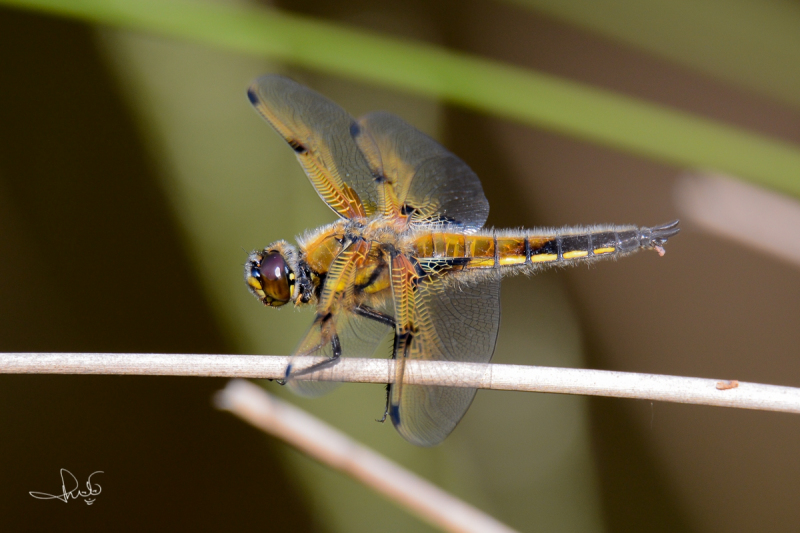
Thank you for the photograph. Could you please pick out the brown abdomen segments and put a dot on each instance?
(493, 250)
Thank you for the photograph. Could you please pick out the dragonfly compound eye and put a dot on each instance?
(269, 278)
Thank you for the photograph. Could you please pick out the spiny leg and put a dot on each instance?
(336, 353)
(340, 274)
(402, 343)
(389, 385)
(373, 314)
(383, 318)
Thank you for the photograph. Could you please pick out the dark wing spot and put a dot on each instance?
(355, 129)
(408, 337)
(394, 413)
(251, 95)
(297, 146)
(407, 209)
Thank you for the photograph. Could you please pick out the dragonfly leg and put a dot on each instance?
(336, 349)
(386, 409)
(372, 314)
(389, 386)
(383, 318)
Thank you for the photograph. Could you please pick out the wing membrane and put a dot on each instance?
(357, 337)
(380, 164)
(319, 132)
(425, 180)
(440, 321)
(336, 330)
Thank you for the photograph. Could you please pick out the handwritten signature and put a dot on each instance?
(74, 493)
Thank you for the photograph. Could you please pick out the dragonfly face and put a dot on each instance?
(269, 278)
(275, 277)
(408, 256)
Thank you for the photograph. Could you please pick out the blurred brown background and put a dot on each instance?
(97, 257)
(92, 262)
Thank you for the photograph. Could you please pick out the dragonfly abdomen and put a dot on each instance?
(531, 249)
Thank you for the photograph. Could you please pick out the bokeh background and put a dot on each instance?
(134, 178)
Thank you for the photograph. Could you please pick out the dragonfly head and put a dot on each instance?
(270, 273)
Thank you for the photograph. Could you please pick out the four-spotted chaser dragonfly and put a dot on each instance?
(408, 255)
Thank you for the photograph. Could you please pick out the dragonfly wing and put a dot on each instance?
(356, 336)
(337, 330)
(419, 176)
(319, 131)
(444, 321)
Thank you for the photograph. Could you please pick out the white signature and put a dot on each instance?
(75, 493)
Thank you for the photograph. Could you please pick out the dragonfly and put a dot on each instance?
(408, 256)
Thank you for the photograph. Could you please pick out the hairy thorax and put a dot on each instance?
(320, 247)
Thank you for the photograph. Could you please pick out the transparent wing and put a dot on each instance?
(449, 321)
(319, 131)
(337, 331)
(421, 178)
(357, 337)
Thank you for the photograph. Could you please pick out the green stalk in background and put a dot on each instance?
(752, 44)
(517, 94)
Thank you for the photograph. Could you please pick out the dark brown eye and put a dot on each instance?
(275, 279)
(269, 278)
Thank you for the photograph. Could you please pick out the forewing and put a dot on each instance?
(319, 131)
(425, 180)
(452, 322)
(336, 328)
(358, 337)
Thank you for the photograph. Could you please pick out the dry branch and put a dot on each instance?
(335, 449)
(721, 392)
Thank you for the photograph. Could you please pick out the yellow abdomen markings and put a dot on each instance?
(448, 245)
(423, 245)
(543, 249)
(454, 251)
(481, 251)
(511, 251)
(575, 254)
(601, 251)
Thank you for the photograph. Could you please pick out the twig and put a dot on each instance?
(498, 377)
(337, 450)
(750, 215)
